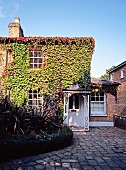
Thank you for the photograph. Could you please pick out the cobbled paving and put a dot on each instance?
(102, 148)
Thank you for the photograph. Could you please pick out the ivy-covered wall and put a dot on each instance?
(66, 61)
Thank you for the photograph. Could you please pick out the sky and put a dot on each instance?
(104, 20)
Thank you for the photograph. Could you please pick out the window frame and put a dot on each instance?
(35, 59)
(98, 104)
(32, 99)
(121, 74)
(112, 76)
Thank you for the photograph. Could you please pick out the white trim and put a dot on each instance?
(112, 76)
(101, 124)
(101, 113)
(77, 91)
(98, 115)
(121, 74)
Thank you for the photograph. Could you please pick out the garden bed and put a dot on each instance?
(17, 147)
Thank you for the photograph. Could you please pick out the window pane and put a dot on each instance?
(35, 53)
(71, 102)
(31, 53)
(39, 54)
(102, 98)
(40, 102)
(40, 60)
(31, 66)
(35, 66)
(30, 91)
(35, 96)
(30, 96)
(34, 102)
(35, 91)
(76, 102)
(92, 98)
(35, 60)
(31, 60)
(97, 98)
(30, 102)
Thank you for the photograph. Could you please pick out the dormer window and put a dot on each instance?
(121, 74)
(36, 59)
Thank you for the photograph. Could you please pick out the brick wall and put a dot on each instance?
(116, 74)
(110, 110)
(120, 105)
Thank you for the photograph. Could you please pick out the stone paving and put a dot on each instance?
(102, 148)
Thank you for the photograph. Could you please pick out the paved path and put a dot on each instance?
(102, 148)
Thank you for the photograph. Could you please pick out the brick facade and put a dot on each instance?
(115, 105)
(120, 104)
(110, 110)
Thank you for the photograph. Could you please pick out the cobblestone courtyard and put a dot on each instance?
(102, 148)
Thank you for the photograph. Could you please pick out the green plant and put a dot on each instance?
(67, 61)
(14, 147)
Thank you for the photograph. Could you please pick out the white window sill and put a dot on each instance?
(98, 115)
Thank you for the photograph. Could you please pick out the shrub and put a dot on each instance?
(21, 146)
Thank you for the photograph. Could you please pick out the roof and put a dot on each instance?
(95, 81)
(103, 82)
(118, 66)
(76, 88)
(52, 40)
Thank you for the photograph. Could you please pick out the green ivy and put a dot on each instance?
(65, 64)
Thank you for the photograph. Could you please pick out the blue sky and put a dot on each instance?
(104, 20)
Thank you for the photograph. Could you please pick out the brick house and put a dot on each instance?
(103, 99)
(114, 103)
(84, 105)
(118, 74)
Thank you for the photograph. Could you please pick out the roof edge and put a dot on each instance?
(118, 66)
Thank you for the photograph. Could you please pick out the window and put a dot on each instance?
(111, 77)
(36, 59)
(121, 74)
(34, 99)
(74, 101)
(98, 104)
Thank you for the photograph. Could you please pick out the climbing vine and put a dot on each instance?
(66, 61)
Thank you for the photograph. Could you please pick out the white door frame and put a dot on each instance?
(85, 95)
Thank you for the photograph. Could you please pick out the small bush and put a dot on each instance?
(17, 147)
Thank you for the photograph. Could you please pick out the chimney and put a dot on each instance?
(15, 29)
